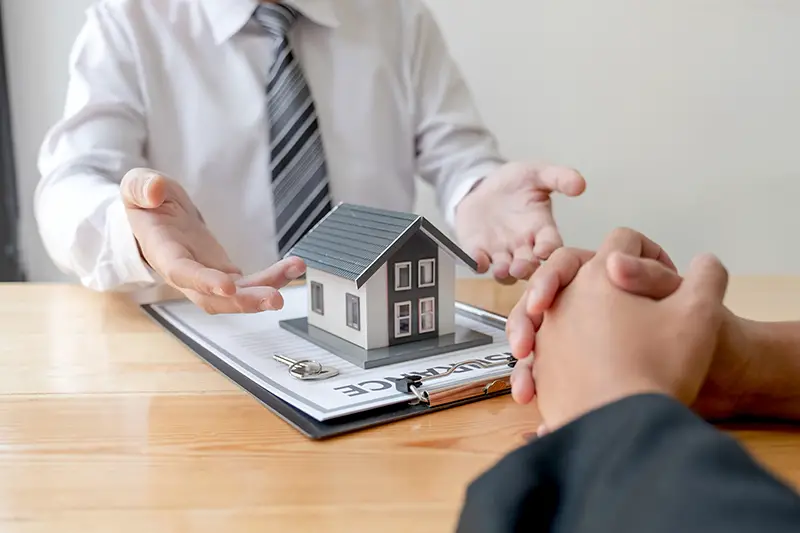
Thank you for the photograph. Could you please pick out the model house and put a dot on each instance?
(381, 287)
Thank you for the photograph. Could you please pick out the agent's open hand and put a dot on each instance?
(176, 243)
(597, 343)
(507, 221)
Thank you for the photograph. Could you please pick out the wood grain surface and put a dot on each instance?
(109, 424)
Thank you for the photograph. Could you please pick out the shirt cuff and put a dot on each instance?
(130, 266)
(463, 188)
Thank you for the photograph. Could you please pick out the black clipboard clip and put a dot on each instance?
(485, 386)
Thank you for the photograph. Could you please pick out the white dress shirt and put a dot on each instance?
(179, 86)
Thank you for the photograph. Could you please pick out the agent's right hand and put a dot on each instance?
(176, 243)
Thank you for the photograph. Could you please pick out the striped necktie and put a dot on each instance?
(300, 190)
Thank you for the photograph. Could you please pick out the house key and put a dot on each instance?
(306, 369)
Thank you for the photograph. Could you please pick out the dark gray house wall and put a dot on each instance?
(419, 246)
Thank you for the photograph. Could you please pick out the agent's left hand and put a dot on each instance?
(507, 220)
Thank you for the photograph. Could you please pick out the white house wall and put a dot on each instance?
(334, 319)
(377, 318)
(447, 292)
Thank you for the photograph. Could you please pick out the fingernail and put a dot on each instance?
(271, 303)
(146, 189)
(533, 298)
(219, 292)
(294, 272)
(627, 265)
(513, 339)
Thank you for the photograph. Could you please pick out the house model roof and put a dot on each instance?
(354, 241)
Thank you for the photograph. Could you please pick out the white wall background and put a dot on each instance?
(683, 115)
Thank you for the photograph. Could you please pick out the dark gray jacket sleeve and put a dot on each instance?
(643, 464)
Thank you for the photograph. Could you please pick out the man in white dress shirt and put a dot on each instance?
(255, 118)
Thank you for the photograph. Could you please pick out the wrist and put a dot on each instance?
(770, 386)
(723, 395)
(468, 195)
(141, 253)
(610, 391)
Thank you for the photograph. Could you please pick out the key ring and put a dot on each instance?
(306, 369)
(303, 369)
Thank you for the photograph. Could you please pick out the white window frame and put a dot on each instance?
(397, 268)
(397, 318)
(320, 310)
(432, 312)
(348, 300)
(430, 263)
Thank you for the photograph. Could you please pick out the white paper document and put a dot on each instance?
(247, 342)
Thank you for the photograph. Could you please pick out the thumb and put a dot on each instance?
(143, 188)
(565, 180)
(642, 276)
(277, 276)
(705, 283)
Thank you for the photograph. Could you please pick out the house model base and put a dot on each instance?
(461, 339)
(381, 287)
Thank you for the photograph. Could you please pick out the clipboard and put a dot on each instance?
(424, 395)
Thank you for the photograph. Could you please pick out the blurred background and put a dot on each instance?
(684, 116)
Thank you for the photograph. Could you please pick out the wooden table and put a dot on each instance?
(108, 424)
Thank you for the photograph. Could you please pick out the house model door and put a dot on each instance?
(413, 294)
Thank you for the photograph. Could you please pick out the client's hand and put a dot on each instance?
(648, 272)
(557, 273)
(597, 343)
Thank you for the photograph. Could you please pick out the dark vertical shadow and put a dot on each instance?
(10, 256)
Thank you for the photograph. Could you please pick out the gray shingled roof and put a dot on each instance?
(354, 241)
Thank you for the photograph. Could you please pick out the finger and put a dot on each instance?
(501, 264)
(555, 274)
(483, 261)
(548, 241)
(644, 277)
(143, 188)
(523, 388)
(565, 180)
(521, 330)
(245, 301)
(705, 283)
(186, 273)
(278, 275)
(523, 263)
(634, 243)
(230, 268)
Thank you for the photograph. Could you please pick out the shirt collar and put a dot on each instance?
(227, 17)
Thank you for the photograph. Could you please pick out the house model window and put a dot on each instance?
(402, 276)
(427, 315)
(317, 303)
(402, 319)
(353, 303)
(427, 273)
(389, 287)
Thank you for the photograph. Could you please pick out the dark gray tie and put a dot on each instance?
(297, 161)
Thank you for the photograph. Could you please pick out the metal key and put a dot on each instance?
(306, 369)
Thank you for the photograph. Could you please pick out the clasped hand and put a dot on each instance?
(614, 323)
